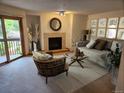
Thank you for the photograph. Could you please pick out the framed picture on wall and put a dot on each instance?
(112, 22)
(121, 23)
(120, 34)
(111, 33)
(101, 32)
(102, 22)
(93, 23)
(93, 32)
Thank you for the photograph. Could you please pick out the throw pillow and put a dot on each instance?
(96, 42)
(41, 56)
(108, 45)
(113, 47)
(90, 44)
(100, 45)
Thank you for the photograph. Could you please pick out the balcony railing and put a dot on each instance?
(14, 47)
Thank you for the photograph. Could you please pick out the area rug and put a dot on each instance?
(78, 77)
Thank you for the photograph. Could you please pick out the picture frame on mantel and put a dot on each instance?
(113, 22)
(102, 22)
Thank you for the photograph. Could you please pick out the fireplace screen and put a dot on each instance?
(55, 43)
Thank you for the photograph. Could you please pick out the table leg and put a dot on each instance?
(80, 64)
(71, 63)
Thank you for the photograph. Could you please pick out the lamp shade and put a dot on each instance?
(85, 32)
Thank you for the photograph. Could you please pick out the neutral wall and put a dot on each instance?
(11, 11)
(72, 25)
(79, 25)
(32, 19)
(66, 26)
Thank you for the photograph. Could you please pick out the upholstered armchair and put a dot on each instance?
(52, 67)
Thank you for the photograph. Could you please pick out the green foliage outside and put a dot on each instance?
(10, 25)
(115, 56)
(1, 34)
(2, 50)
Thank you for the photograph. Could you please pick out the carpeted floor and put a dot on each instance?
(21, 77)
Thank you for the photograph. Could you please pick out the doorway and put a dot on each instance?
(10, 38)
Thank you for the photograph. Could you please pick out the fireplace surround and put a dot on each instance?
(54, 35)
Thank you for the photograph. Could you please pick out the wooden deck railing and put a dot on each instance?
(2, 48)
(14, 47)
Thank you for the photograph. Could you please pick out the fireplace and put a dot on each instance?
(55, 43)
(47, 36)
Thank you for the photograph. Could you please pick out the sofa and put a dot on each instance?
(97, 50)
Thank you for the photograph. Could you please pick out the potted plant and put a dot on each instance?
(115, 56)
(114, 59)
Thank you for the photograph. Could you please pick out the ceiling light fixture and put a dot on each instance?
(61, 13)
(62, 8)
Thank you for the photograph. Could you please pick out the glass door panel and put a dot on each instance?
(12, 28)
(3, 57)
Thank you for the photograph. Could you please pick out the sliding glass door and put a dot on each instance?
(3, 57)
(13, 38)
(10, 39)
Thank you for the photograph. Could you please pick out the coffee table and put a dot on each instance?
(77, 58)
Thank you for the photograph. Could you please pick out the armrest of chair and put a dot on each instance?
(57, 62)
(54, 60)
(51, 53)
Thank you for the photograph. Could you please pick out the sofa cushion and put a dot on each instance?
(96, 42)
(37, 56)
(100, 45)
(95, 55)
(90, 44)
(108, 45)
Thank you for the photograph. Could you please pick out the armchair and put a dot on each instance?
(52, 67)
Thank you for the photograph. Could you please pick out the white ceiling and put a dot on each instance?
(80, 6)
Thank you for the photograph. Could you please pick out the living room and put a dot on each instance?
(73, 24)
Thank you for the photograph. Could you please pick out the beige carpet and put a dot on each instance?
(21, 77)
(78, 77)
